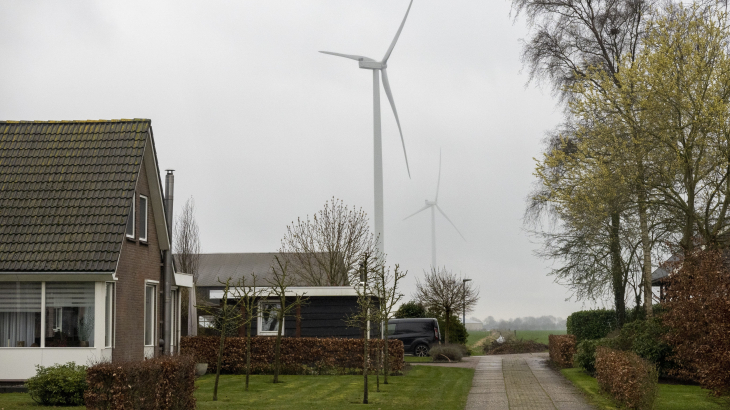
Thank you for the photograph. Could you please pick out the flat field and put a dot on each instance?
(540, 336)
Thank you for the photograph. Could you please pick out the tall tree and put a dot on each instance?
(569, 38)
(187, 257)
(442, 291)
(326, 249)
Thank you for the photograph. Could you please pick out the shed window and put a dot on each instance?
(130, 222)
(268, 312)
(20, 314)
(142, 218)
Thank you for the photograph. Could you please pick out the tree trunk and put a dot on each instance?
(220, 360)
(619, 289)
(448, 322)
(248, 351)
(386, 358)
(277, 348)
(646, 249)
(365, 367)
(377, 369)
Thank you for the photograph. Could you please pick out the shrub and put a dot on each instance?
(300, 355)
(165, 382)
(591, 324)
(62, 384)
(562, 349)
(585, 355)
(698, 319)
(646, 339)
(629, 379)
(446, 352)
(410, 309)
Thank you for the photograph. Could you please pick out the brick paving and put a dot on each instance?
(521, 382)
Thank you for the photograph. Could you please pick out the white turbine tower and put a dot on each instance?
(380, 67)
(434, 205)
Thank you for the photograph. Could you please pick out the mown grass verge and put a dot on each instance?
(671, 396)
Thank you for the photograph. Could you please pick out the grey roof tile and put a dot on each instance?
(65, 191)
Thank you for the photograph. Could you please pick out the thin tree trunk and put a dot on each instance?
(448, 321)
(220, 359)
(248, 351)
(386, 358)
(377, 370)
(646, 249)
(365, 358)
(277, 349)
(619, 290)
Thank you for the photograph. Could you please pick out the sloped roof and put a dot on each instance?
(221, 266)
(65, 192)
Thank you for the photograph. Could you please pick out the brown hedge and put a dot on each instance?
(298, 355)
(629, 379)
(562, 349)
(698, 318)
(164, 383)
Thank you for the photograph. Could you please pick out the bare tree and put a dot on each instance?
(326, 249)
(281, 280)
(248, 299)
(384, 286)
(187, 257)
(442, 291)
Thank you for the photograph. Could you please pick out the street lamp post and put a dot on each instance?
(463, 294)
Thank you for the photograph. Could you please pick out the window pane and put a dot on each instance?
(391, 329)
(69, 314)
(142, 218)
(173, 327)
(20, 314)
(149, 316)
(109, 319)
(130, 221)
(269, 311)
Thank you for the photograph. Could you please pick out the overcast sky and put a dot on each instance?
(262, 129)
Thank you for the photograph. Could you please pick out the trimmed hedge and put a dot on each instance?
(591, 324)
(585, 356)
(562, 349)
(164, 383)
(300, 355)
(629, 379)
(59, 385)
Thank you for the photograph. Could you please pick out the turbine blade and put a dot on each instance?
(350, 56)
(386, 85)
(438, 184)
(397, 34)
(419, 211)
(452, 224)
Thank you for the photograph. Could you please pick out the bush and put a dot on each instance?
(300, 355)
(62, 384)
(629, 379)
(591, 324)
(646, 339)
(562, 349)
(449, 352)
(166, 382)
(585, 355)
(698, 319)
(410, 309)
(457, 330)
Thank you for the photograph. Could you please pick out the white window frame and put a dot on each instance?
(259, 320)
(153, 285)
(146, 214)
(174, 317)
(110, 316)
(134, 220)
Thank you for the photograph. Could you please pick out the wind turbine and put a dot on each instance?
(434, 205)
(380, 68)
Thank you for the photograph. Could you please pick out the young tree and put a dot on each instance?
(326, 250)
(187, 257)
(248, 297)
(281, 280)
(442, 291)
(384, 287)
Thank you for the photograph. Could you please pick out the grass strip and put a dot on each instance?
(671, 396)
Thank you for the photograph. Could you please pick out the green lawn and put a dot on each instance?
(416, 359)
(540, 336)
(422, 387)
(473, 339)
(671, 396)
(12, 401)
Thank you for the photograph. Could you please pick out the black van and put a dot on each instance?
(418, 335)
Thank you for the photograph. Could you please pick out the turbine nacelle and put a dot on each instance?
(372, 65)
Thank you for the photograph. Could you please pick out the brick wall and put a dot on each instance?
(139, 262)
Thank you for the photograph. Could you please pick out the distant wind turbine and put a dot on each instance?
(380, 67)
(434, 205)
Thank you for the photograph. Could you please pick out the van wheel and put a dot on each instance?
(421, 351)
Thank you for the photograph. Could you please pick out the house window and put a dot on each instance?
(206, 321)
(109, 315)
(174, 318)
(142, 218)
(130, 221)
(268, 312)
(69, 314)
(20, 314)
(150, 292)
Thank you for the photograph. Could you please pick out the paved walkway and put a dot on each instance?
(521, 381)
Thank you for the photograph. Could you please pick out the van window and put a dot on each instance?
(391, 329)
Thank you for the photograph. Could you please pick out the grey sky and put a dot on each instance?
(262, 129)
